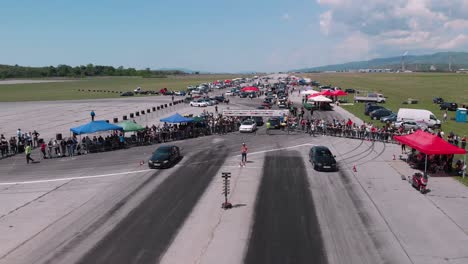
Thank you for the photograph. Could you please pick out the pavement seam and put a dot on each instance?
(35, 199)
(47, 227)
(91, 227)
(443, 212)
(24, 205)
(213, 231)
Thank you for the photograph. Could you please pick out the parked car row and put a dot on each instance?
(445, 105)
(406, 118)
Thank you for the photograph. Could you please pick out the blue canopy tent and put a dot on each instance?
(93, 127)
(176, 118)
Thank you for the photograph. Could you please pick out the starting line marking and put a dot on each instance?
(74, 178)
(277, 149)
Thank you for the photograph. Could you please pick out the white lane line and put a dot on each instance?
(74, 178)
(277, 149)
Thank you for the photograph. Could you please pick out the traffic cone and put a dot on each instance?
(354, 168)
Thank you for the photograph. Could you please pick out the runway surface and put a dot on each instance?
(285, 229)
(147, 231)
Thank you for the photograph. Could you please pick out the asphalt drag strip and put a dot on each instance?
(144, 235)
(285, 229)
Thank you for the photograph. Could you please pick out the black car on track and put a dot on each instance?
(164, 157)
(322, 159)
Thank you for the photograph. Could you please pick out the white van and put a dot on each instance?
(419, 116)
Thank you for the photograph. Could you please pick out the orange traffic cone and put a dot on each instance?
(354, 168)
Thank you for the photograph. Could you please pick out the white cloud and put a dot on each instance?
(396, 25)
(457, 42)
(326, 22)
(285, 16)
(457, 24)
(356, 46)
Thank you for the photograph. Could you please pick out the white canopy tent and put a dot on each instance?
(308, 92)
(320, 98)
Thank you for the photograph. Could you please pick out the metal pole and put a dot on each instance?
(225, 190)
(425, 167)
(464, 166)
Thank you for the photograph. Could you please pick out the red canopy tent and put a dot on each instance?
(429, 144)
(250, 89)
(339, 93)
(326, 93)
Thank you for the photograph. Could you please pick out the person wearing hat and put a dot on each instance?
(244, 150)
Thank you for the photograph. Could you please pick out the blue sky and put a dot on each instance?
(224, 36)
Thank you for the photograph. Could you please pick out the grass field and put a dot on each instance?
(463, 181)
(400, 87)
(69, 90)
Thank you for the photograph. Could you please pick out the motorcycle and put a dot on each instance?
(419, 182)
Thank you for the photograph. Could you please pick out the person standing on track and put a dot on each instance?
(244, 150)
(28, 151)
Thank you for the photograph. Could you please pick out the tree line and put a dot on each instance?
(9, 71)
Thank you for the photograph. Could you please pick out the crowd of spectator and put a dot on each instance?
(385, 133)
(366, 131)
(17, 144)
(207, 123)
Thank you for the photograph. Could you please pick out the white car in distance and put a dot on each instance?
(248, 125)
(198, 103)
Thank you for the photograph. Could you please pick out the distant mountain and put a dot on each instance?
(439, 60)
